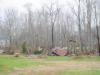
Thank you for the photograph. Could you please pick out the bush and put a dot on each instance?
(24, 47)
(16, 54)
(38, 51)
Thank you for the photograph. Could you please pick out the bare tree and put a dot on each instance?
(97, 29)
(10, 25)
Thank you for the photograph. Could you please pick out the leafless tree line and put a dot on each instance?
(54, 26)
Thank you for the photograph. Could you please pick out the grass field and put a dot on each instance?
(52, 65)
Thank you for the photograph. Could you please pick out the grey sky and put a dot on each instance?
(18, 4)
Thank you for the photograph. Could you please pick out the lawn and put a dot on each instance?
(52, 65)
(91, 72)
(8, 63)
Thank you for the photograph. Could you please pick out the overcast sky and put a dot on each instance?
(19, 4)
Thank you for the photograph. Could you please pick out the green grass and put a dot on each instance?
(73, 58)
(66, 72)
(58, 58)
(10, 62)
(13, 62)
(91, 72)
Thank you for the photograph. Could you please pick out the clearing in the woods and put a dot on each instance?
(52, 65)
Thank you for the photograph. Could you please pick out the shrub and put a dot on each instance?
(38, 51)
(16, 54)
(24, 47)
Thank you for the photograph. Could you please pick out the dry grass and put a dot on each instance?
(56, 66)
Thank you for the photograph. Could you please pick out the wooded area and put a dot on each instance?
(76, 27)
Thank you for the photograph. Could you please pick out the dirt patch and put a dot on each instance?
(51, 69)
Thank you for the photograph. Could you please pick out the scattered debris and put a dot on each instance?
(59, 51)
